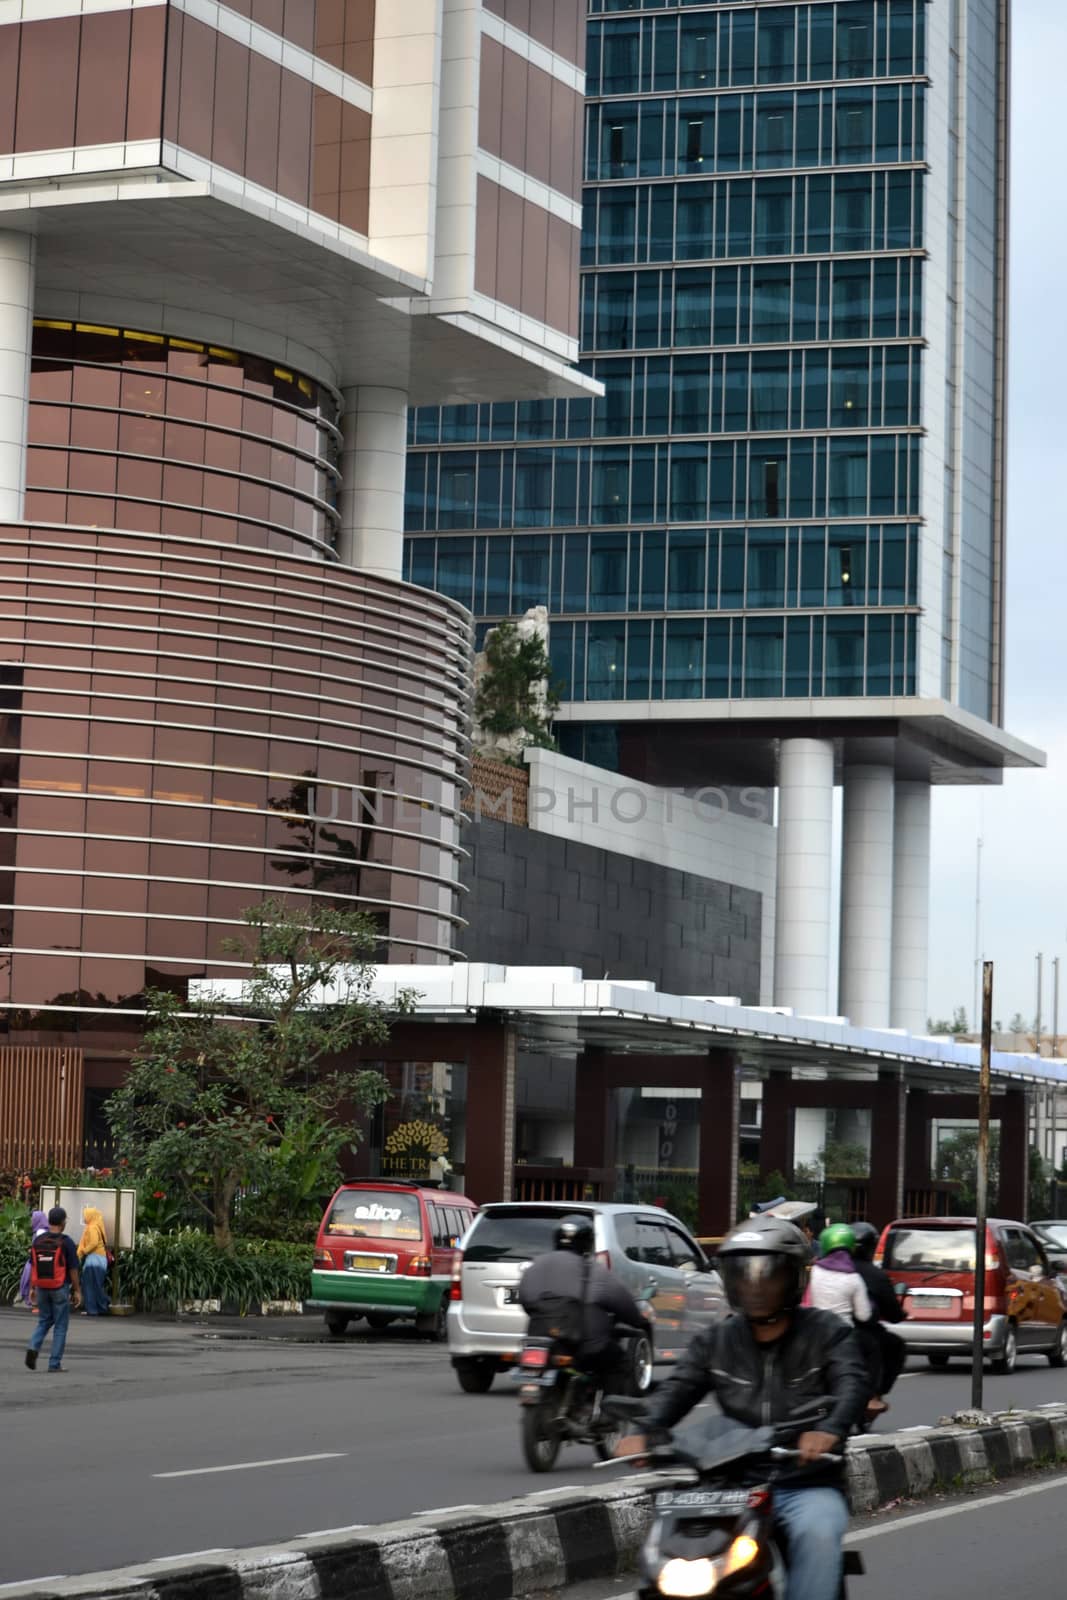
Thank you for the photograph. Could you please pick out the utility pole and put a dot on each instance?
(982, 1207)
(977, 929)
(1037, 1023)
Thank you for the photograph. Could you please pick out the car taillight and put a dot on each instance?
(455, 1288)
(604, 1257)
(323, 1261)
(420, 1267)
(536, 1357)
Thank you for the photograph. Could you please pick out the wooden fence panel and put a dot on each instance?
(42, 1100)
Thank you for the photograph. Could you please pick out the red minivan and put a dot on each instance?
(384, 1252)
(931, 1261)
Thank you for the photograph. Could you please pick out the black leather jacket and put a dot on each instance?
(818, 1358)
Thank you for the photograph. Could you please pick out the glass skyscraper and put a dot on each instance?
(774, 547)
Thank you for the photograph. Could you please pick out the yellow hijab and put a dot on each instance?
(93, 1239)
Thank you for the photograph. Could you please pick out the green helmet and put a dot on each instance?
(838, 1236)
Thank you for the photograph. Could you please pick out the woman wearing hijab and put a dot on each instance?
(38, 1224)
(92, 1254)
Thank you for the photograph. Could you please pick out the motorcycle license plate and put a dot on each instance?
(702, 1500)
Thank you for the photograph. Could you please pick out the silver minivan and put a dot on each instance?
(651, 1251)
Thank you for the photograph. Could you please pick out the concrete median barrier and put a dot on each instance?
(546, 1541)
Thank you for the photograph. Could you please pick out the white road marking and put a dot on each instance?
(325, 1533)
(249, 1466)
(444, 1511)
(901, 1523)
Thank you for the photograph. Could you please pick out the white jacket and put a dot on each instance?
(844, 1293)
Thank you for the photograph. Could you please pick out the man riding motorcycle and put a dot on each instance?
(773, 1361)
(569, 1275)
(892, 1352)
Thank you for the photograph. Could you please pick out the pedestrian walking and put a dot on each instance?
(92, 1257)
(54, 1283)
(38, 1224)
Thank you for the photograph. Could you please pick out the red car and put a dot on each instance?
(931, 1262)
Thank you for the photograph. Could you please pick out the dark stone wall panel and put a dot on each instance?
(535, 899)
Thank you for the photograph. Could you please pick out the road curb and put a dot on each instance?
(546, 1541)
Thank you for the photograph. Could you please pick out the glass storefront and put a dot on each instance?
(420, 1133)
(657, 1148)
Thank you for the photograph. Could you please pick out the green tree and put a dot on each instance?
(957, 1162)
(1018, 1024)
(217, 1081)
(515, 694)
(960, 1024)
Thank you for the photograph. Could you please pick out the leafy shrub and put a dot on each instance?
(169, 1268)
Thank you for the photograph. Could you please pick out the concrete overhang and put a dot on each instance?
(205, 261)
(556, 1011)
(928, 738)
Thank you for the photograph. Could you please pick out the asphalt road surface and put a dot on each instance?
(162, 1439)
(1006, 1541)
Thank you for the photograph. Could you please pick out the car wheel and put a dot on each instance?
(938, 1360)
(1005, 1362)
(1057, 1356)
(434, 1324)
(639, 1373)
(475, 1373)
(336, 1323)
(378, 1320)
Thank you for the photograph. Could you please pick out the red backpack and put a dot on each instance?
(48, 1259)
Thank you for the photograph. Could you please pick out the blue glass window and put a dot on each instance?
(684, 660)
(764, 656)
(686, 571)
(688, 483)
(844, 655)
(605, 660)
(607, 572)
(690, 394)
(766, 569)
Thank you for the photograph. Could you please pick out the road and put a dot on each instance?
(366, 1430)
(1005, 1541)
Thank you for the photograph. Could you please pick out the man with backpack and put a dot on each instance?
(53, 1281)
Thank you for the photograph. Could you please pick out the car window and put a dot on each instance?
(1055, 1234)
(654, 1243)
(441, 1224)
(516, 1235)
(375, 1214)
(684, 1253)
(626, 1233)
(930, 1249)
(1021, 1249)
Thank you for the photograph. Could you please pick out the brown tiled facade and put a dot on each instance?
(557, 24)
(157, 73)
(96, 79)
(187, 727)
(134, 430)
(527, 257)
(340, 31)
(530, 119)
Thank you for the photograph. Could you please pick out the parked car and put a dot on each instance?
(654, 1255)
(1053, 1235)
(931, 1260)
(384, 1252)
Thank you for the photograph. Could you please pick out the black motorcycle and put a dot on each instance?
(561, 1404)
(716, 1535)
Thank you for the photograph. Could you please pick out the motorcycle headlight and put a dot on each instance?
(682, 1579)
(741, 1553)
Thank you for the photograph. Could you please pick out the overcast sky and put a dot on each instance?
(1023, 824)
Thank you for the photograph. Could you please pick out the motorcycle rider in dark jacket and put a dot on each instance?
(892, 1352)
(569, 1273)
(773, 1361)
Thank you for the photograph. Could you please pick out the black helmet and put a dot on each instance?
(867, 1236)
(763, 1264)
(576, 1233)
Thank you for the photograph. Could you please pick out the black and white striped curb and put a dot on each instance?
(545, 1541)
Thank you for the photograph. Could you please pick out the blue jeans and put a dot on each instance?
(94, 1286)
(53, 1306)
(814, 1522)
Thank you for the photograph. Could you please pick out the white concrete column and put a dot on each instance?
(911, 906)
(17, 260)
(802, 911)
(372, 480)
(867, 895)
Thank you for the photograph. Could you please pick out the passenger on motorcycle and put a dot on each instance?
(892, 1352)
(773, 1361)
(567, 1280)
